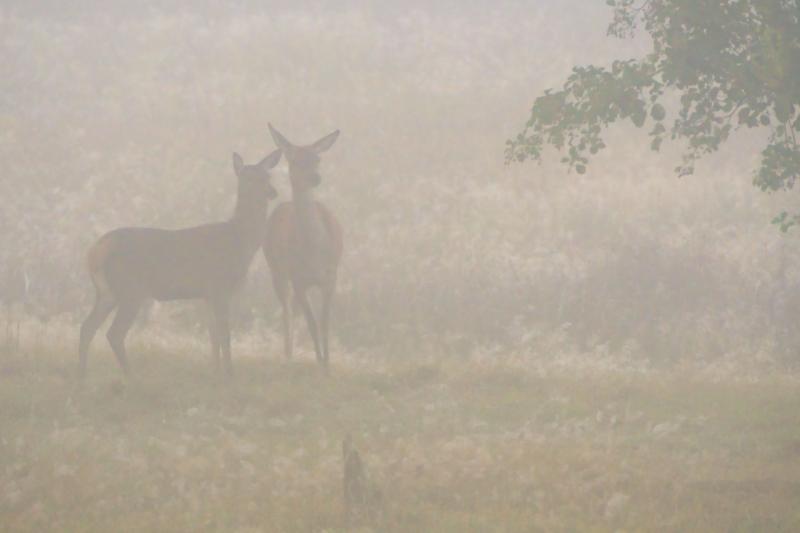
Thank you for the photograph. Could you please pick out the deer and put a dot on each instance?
(303, 244)
(14, 289)
(130, 265)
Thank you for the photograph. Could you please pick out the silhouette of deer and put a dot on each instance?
(14, 288)
(208, 262)
(303, 243)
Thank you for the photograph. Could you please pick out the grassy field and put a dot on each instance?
(452, 444)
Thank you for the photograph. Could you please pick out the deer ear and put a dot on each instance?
(238, 164)
(325, 143)
(280, 140)
(271, 160)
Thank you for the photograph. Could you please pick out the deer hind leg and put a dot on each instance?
(302, 296)
(222, 322)
(123, 320)
(327, 302)
(102, 308)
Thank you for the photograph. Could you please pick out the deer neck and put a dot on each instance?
(249, 220)
(311, 229)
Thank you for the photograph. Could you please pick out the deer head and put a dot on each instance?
(303, 160)
(255, 189)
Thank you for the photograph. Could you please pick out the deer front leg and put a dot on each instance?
(282, 289)
(302, 296)
(213, 337)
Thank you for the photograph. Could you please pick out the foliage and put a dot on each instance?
(734, 63)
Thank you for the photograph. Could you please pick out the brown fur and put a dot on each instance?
(284, 254)
(303, 244)
(96, 261)
(281, 237)
(131, 265)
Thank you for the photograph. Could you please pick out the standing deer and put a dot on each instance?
(129, 265)
(303, 243)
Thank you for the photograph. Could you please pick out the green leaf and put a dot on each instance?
(638, 117)
(656, 144)
(783, 109)
(658, 112)
(731, 62)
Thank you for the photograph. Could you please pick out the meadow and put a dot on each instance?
(469, 442)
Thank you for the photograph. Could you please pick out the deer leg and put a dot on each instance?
(327, 302)
(123, 320)
(213, 334)
(283, 290)
(288, 327)
(221, 315)
(302, 296)
(102, 308)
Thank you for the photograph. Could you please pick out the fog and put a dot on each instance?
(475, 299)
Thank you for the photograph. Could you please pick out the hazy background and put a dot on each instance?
(126, 114)
(515, 348)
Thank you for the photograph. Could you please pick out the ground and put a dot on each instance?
(450, 443)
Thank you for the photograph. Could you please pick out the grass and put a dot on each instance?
(453, 444)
